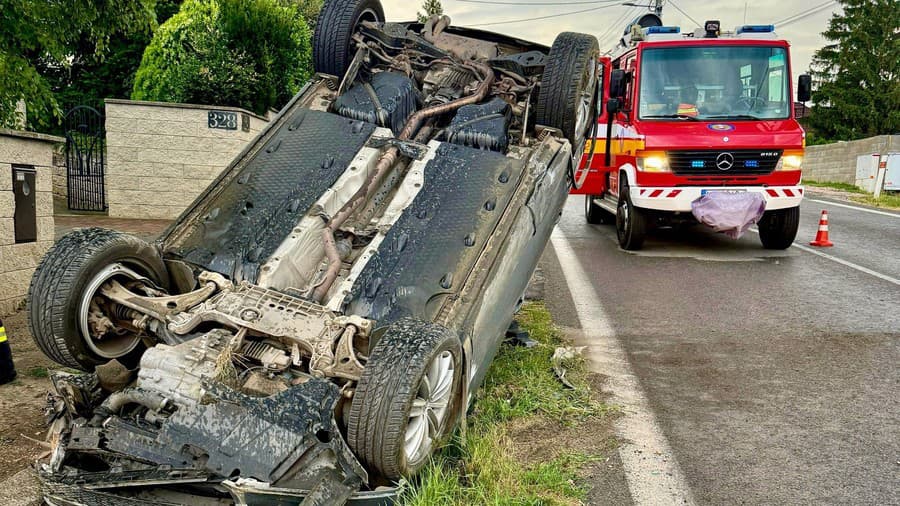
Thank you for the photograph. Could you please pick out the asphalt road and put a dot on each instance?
(772, 376)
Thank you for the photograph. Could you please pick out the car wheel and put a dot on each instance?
(631, 222)
(407, 401)
(568, 98)
(593, 213)
(778, 229)
(64, 287)
(338, 21)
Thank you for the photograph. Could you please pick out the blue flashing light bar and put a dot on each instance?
(751, 163)
(663, 29)
(756, 29)
(696, 164)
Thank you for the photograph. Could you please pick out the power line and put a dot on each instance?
(616, 25)
(804, 14)
(679, 9)
(538, 18)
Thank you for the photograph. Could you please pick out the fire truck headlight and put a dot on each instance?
(790, 160)
(653, 163)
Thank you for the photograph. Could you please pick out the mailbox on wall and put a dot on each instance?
(25, 216)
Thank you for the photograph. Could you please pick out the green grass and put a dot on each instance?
(479, 468)
(888, 200)
(38, 372)
(847, 187)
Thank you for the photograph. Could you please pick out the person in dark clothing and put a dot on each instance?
(7, 368)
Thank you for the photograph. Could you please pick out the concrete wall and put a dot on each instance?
(17, 261)
(837, 161)
(160, 156)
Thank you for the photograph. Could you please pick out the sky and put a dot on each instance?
(608, 22)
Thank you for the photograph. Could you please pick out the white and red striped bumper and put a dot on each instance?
(679, 199)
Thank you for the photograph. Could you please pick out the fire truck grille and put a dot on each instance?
(708, 163)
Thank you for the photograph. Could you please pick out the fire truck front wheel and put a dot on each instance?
(778, 228)
(631, 222)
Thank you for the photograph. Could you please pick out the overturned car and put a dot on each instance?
(313, 326)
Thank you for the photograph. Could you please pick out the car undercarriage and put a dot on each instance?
(313, 326)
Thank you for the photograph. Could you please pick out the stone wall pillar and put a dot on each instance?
(18, 260)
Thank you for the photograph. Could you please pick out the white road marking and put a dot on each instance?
(852, 265)
(841, 261)
(652, 472)
(855, 208)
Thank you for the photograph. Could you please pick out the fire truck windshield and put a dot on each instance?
(736, 82)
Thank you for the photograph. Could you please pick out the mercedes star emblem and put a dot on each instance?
(725, 161)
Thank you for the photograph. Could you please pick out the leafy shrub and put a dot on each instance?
(253, 54)
(308, 9)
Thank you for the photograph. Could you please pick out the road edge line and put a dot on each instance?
(651, 469)
(855, 208)
(846, 263)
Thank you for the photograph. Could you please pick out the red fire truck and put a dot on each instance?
(690, 116)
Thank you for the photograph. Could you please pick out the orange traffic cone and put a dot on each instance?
(821, 239)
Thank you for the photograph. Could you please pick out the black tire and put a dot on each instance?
(338, 21)
(59, 283)
(631, 221)
(571, 64)
(380, 411)
(778, 229)
(593, 213)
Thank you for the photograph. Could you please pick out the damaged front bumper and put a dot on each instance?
(183, 432)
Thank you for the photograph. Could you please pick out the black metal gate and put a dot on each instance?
(85, 159)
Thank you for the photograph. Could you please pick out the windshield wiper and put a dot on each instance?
(673, 116)
(734, 116)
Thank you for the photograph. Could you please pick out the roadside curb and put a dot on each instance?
(21, 489)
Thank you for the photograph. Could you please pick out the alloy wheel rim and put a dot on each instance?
(430, 407)
(582, 118)
(583, 115)
(115, 346)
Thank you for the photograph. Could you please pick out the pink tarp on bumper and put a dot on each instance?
(731, 213)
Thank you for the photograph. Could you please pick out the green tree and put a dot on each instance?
(38, 30)
(857, 74)
(245, 53)
(431, 8)
(88, 76)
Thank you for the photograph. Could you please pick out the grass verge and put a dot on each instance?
(847, 187)
(885, 200)
(486, 465)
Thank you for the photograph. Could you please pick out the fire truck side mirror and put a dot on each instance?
(804, 88)
(613, 106)
(617, 83)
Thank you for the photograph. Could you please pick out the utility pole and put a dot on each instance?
(656, 6)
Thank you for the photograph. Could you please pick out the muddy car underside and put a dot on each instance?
(312, 327)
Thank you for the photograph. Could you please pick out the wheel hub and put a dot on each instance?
(106, 346)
